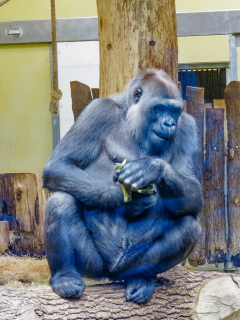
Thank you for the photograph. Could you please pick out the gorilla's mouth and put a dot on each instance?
(160, 137)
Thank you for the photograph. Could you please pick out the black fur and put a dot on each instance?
(89, 230)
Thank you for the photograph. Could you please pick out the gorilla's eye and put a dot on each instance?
(137, 95)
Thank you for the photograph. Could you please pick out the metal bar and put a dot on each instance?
(86, 29)
(196, 66)
(208, 23)
(233, 57)
(77, 29)
(238, 40)
(32, 31)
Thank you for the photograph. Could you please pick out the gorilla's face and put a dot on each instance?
(163, 123)
(155, 106)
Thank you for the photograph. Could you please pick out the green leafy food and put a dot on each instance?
(127, 192)
(148, 190)
(119, 166)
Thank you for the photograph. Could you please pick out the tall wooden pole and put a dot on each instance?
(134, 34)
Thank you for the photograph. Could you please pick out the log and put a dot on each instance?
(232, 98)
(22, 201)
(180, 294)
(195, 107)
(214, 200)
(135, 34)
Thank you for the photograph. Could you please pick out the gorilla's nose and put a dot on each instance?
(169, 122)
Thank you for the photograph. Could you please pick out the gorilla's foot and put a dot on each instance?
(68, 286)
(139, 290)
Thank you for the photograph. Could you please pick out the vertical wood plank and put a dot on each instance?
(232, 99)
(81, 97)
(4, 236)
(195, 107)
(214, 202)
(22, 205)
(220, 103)
(95, 93)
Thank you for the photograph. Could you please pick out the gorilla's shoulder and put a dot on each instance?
(101, 108)
(187, 124)
(186, 136)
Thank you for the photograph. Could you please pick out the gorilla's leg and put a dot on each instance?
(139, 271)
(69, 248)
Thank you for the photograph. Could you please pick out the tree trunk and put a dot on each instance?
(180, 294)
(134, 34)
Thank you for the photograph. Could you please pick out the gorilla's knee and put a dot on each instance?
(60, 202)
(191, 231)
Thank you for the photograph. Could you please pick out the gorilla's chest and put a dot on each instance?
(120, 147)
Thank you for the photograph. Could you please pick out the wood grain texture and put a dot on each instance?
(81, 97)
(135, 34)
(180, 294)
(196, 108)
(4, 236)
(232, 99)
(22, 205)
(214, 199)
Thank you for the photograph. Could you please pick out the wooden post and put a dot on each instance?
(134, 34)
(22, 204)
(195, 107)
(95, 93)
(214, 200)
(4, 236)
(232, 98)
(81, 97)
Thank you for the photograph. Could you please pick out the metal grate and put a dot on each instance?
(212, 80)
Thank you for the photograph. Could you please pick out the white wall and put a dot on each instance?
(77, 61)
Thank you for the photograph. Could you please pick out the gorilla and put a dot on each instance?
(89, 230)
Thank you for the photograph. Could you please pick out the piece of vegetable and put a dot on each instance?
(148, 190)
(127, 192)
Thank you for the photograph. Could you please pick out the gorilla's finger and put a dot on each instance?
(116, 175)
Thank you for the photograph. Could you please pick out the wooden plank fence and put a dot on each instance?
(22, 199)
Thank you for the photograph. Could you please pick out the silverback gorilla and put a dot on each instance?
(89, 230)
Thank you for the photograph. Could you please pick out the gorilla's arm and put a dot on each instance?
(178, 182)
(67, 169)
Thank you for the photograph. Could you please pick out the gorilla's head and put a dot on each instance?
(154, 106)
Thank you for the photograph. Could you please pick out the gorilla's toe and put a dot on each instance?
(139, 290)
(70, 286)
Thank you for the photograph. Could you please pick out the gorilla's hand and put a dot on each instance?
(138, 174)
